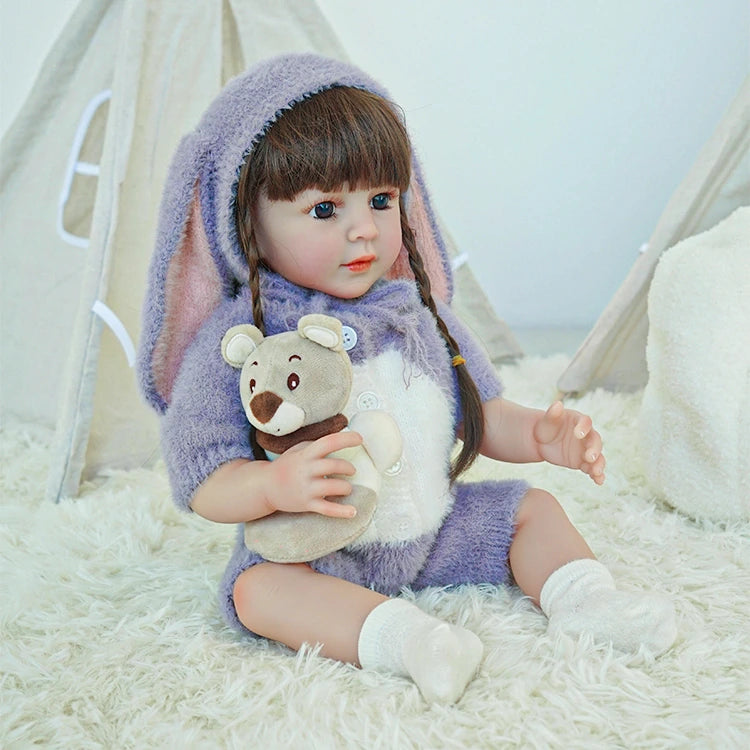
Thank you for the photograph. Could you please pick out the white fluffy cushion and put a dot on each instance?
(695, 417)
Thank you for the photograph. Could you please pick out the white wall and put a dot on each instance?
(552, 133)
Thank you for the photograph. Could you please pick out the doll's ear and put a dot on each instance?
(429, 240)
(239, 343)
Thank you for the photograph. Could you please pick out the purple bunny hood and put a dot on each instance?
(198, 262)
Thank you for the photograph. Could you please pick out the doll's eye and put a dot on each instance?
(292, 381)
(252, 385)
(380, 201)
(323, 210)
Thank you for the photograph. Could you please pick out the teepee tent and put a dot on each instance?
(82, 169)
(613, 355)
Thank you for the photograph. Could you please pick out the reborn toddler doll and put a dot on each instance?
(298, 194)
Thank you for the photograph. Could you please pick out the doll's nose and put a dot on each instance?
(363, 227)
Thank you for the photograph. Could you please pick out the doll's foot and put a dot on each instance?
(581, 598)
(441, 658)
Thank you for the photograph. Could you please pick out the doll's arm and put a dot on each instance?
(297, 481)
(565, 437)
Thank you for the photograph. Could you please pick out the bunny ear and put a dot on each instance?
(429, 241)
(185, 280)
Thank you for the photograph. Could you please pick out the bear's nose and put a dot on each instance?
(264, 406)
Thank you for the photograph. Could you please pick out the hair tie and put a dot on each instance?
(457, 360)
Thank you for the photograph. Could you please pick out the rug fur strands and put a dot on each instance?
(111, 637)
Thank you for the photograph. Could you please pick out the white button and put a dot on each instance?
(349, 336)
(368, 400)
(395, 469)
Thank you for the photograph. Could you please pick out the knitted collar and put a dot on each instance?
(390, 315)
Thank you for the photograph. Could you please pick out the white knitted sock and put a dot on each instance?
(581, 597)
(399, 637)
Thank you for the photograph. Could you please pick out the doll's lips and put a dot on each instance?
(360, 264)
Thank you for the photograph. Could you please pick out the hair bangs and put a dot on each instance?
(337, 136)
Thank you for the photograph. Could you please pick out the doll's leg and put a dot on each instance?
(555, 567)
(544, 541)
(294, 605)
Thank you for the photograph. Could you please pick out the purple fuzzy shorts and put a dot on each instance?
(471, 546)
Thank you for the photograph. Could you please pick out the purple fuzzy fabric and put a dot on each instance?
(471, 547)
(206, 426)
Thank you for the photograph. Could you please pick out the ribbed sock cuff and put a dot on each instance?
(381, 640)
(562, 583)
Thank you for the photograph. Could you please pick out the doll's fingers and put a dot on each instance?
(593, 447)
(595, 469)
(328, 466)
(583, 427)
(337, 441)
(332, 510)
(331, 487)
(555, 411)
(548, 427)
(598, 468)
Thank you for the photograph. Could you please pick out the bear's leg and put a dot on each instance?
(300, 537)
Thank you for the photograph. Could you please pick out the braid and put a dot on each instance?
(246, 235)
(254, 283)
(471, 402)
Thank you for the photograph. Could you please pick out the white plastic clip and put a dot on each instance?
(459, 261)
(117, 327)
(80, 167)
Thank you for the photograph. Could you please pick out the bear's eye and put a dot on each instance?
(252, 385)
(292, 381)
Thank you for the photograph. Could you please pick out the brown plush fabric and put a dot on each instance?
(280, 443)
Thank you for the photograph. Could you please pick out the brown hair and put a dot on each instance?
(344, 135)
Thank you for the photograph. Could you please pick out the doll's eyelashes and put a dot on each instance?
(323, 210)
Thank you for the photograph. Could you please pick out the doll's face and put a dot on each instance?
(339, 243)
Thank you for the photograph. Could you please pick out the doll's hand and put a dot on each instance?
(300, 478)
(566, 438)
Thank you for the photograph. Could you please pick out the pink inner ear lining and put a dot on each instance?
(424, 234)
(192, 291)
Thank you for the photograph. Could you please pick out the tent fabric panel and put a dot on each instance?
(169, 96)
(475, 310)
(42, 272)
(613, 354)
(283, 26)
(77, 403)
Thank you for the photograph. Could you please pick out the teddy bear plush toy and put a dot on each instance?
(294, 387)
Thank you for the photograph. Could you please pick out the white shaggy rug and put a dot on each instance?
(110, 635)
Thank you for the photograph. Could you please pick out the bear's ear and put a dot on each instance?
(239, 343)
(323, 330)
